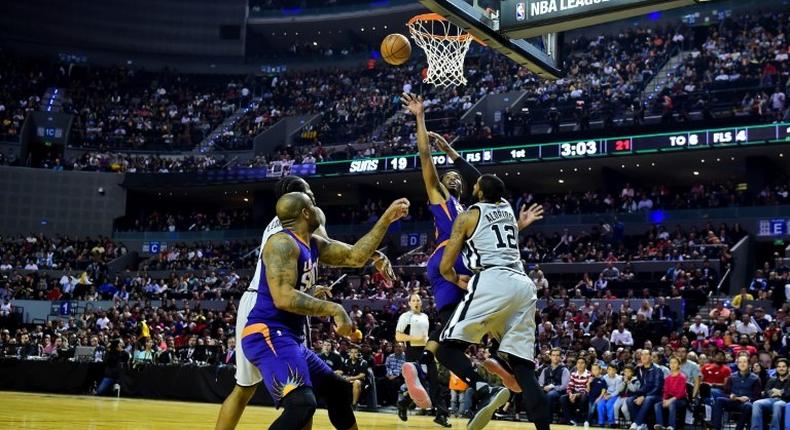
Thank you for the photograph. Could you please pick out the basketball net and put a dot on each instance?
(445, 45)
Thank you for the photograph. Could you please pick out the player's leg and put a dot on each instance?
(334, 390)
(285, 374)
(247, 375)
(233, 407)
(518, 346)
(481, 311)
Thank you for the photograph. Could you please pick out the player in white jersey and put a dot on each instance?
(500, 302)
(247, 375)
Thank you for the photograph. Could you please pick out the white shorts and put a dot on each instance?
(247, 374)
(500, 302)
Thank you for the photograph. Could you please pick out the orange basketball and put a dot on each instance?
(395, 49)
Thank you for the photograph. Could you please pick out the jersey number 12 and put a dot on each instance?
(511, 236)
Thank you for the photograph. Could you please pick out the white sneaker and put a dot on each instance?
(633, 426)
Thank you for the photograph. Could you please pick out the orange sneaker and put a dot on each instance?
(508, 379)
(416, 391)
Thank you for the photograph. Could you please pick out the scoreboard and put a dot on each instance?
(521, 19)
(568, 150)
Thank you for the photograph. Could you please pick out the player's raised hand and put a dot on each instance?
(440, 141)
(527, 216)
(342, 322)
(397, 210)
(413, 103)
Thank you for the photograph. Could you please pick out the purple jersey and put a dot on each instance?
(445, 292)
(444, 214)
(264, 312)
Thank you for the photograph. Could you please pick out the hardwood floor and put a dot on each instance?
(29, 411)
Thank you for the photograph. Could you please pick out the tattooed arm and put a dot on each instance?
(281, 255)
(336, 253)
(463, 227)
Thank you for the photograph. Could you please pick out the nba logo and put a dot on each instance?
(521, 11)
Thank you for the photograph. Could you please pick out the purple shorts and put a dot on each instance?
(283, 360)
(445, 292)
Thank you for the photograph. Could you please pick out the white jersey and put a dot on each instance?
(494, 243)
(273, 228)
(417, 324)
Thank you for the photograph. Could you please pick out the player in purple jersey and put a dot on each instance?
(272, 338)
(234, 405)
(444, 198)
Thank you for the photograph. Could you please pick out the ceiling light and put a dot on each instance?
(562, 181)
(696, 173)
(246, 199)
(340, 194)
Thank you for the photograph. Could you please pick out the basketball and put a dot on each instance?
(395, 49)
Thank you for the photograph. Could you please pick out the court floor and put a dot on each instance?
(29, 411)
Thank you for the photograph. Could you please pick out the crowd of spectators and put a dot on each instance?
(745, 48)
(171, 221)
(38, 252)
(119, 107)
(228, 255)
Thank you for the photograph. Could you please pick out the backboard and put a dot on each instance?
(530, 31)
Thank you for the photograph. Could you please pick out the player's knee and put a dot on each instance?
(298, 408)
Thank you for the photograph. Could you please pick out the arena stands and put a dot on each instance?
(187, 221)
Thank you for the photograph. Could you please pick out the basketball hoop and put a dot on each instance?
(445, 44)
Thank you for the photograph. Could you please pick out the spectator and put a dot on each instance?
(606, 404)
(621, 336)
(715, 373)
(393, 379)
(774, 398)
(690, 370)
(674, 397)
(355, 372)
(554, 378)
(742, 388)
(632, 387)
(331, 357)
(649, 393)
(574, 401)
(596, 388)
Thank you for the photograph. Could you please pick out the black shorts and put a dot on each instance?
(414, 353)
(444, 317)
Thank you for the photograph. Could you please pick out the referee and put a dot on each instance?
(412, 330)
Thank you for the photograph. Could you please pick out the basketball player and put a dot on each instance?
(412, 328)
(443, 196)
(500, 301)
(273, 337)
(247, 375)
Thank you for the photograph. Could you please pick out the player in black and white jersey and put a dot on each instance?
(247, 374)
(500, 302)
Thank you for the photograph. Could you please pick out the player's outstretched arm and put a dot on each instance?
(379, 260)
(281, 256)
(340, 254)
(468, 172)
(462, 229)
(436, 192)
